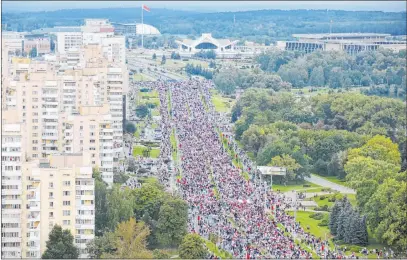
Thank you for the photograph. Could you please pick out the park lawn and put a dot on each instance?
(151, 94)
(141, 77)
(323, 202)
(221, 104)
(303, 217)
(155, 112)
(138, 150)
(314, 190)
(293, 186)
(216, 251)
(174, 145)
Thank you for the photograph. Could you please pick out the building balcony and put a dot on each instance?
(10, 239)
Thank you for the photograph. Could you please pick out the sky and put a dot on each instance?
(207, 6)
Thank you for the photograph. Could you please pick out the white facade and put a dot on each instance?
(11, 195)
(68, 40)
(114, 48)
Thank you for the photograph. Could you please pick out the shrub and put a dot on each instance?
(306, 185)
(324, 222)
(326, 189)
(317, 216)
(323, 208)
(322, 197)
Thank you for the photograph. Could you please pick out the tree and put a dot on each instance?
(360, 235)
(101, 220)
(60, 245)
(130, 241)
(163, 60)
(131, 164)
(130, 127)
(33, 52)
(386, 210)
(100, 245)
(142, 111)
(334, 217)
(172, 222)
(192, 247)
(154, 56)
(288, 162)
(343, 220)
(120, 206)
(317, 77)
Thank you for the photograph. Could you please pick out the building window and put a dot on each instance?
(66, 212)
(51, 185)
(67, 222)
(51, 204)
(67, 183)
(66, 193)
(51, 195)
(66, 203)
(51, 214)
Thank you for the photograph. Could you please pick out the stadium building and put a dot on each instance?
(207, 42)
(352, 43)
(134, 29)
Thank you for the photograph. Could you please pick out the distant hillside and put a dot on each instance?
(272, 24)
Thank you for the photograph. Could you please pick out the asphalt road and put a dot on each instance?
(325, 183)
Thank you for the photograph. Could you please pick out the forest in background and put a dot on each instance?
(262, 26)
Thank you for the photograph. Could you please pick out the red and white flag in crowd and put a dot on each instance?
(146, 8)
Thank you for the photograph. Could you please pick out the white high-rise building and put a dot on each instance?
(12, 147)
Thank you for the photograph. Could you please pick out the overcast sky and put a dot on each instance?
(218, 6)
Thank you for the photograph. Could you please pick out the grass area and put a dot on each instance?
(151, 94)
(138, 150)
(179, 64)
(216, 251)
(141, 77)
(295, 186)
(323, 202)
(155, 112)
(303, 217)
(174, 145)
(221, 104)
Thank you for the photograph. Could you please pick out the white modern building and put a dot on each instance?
(134, 29)
(206, 42)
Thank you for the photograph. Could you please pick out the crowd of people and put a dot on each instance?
(246, 217)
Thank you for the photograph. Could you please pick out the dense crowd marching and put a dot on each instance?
(248, 219)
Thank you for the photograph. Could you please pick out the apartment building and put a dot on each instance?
(12, 147)
(42, 45)
(57, 191)
(68, 40)
(90, 132)
(34, 93)
(95, 31)
(13, 40)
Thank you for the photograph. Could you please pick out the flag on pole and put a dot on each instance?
(146, 8)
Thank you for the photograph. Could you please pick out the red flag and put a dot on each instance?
(146, 8)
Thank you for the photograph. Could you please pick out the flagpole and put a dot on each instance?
(142, 27)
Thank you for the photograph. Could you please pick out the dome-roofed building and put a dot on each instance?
(133, 29)
(206, 42)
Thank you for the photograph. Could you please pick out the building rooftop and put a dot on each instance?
(339, 35)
